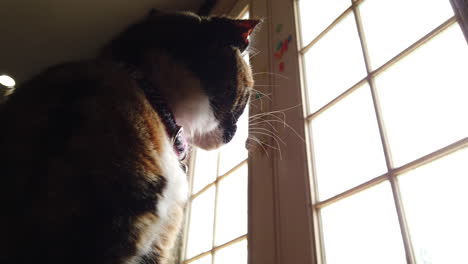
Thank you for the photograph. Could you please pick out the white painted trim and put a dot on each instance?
(280, 216)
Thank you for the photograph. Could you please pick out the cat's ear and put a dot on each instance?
(230, 32)
(245, 27)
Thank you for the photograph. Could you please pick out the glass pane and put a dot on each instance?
(204, 260)
(233, 254)
(334, 63)
(363, 229)
(231, 215)
(205, 168)
(424, 97)
(235, 151)
(346, 143)
(392, 26)
(200, 235)
(434, 197)
(316, 15)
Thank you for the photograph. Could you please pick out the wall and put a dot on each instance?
(40, 33)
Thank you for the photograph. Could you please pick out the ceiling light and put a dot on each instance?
(7, 81)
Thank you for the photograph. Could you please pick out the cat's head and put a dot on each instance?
(197, 63)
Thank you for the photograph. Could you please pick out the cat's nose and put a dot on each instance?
(229, 131)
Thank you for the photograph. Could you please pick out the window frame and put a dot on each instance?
(460, 8)
(280, 216)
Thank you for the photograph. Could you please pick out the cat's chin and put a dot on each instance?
(208, 141)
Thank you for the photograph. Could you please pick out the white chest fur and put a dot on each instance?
(163, 230)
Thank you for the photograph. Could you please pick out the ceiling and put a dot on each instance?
(40, 33)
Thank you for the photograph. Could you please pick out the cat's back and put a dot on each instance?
(71, 141)
(70, 106)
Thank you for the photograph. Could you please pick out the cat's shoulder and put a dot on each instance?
(89, 101)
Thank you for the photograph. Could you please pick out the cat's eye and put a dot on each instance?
(179, 144)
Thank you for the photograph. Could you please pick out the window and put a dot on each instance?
(216, 229)
(385, 110)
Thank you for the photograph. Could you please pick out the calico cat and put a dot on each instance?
(91, 152)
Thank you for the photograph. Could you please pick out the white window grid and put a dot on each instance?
(461, 17)
(215, 183)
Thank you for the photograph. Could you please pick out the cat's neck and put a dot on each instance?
(182, 94)
(159, 104)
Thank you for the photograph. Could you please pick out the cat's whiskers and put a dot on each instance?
(261, 144)
(252, 52)
(281, 111)
(258, 96)
(268, 120)
(266, 85)
(258, 92)
(265, 120)
(263, 116)
(272, 136)
(256, 106)
(271, 73)
(278, 121)
(269, 132)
